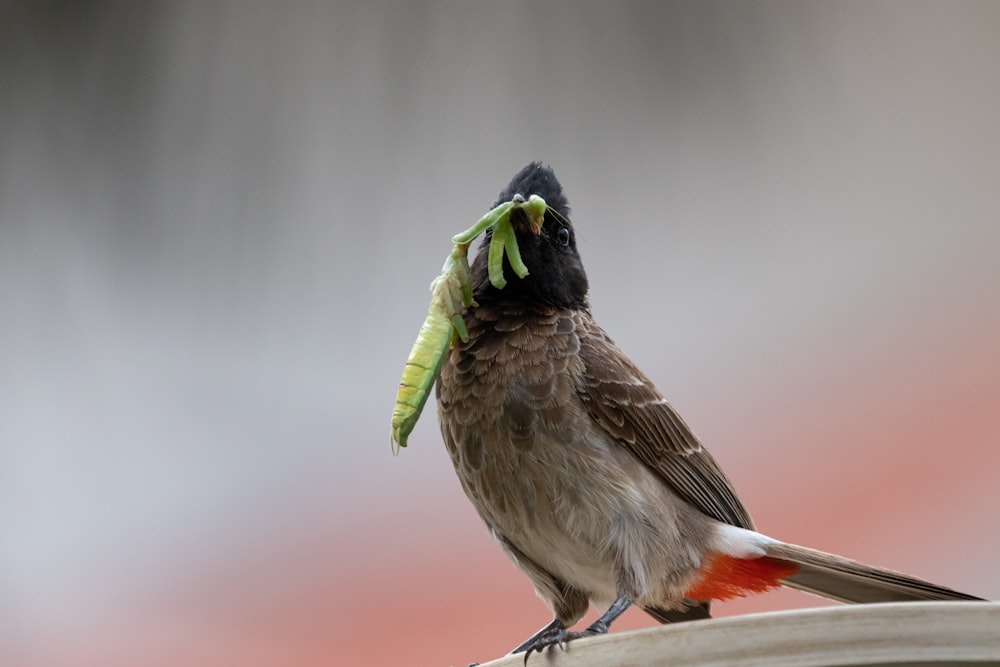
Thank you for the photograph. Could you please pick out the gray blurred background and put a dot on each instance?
(218, 222)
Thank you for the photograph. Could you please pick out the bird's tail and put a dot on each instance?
(743, 561)
(848, 580)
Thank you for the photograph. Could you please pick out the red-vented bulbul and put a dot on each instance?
(588, 479)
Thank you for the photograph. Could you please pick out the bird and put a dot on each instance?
(586, 476)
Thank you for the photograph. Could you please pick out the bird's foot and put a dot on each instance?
(556, 634)
(560, 636)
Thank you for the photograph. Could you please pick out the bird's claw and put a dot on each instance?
(560, 637)
(557, 636)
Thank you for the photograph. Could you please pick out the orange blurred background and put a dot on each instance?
(217, 227)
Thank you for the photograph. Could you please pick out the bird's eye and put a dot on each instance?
(563, 236)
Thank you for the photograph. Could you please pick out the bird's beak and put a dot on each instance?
(526, 220)
(535, 209)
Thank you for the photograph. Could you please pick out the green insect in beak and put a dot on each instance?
(451, 293)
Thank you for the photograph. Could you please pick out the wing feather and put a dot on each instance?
(620, 398)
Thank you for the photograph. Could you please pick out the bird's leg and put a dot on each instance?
(603, 624)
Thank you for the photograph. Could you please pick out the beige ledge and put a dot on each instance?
(912, 633)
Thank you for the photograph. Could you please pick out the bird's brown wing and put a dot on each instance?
(629, 407)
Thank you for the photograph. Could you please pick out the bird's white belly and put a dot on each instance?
(555, 504)
(579, 558)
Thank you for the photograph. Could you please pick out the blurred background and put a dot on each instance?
(218, 222)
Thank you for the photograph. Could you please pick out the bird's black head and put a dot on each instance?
(555, 272)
